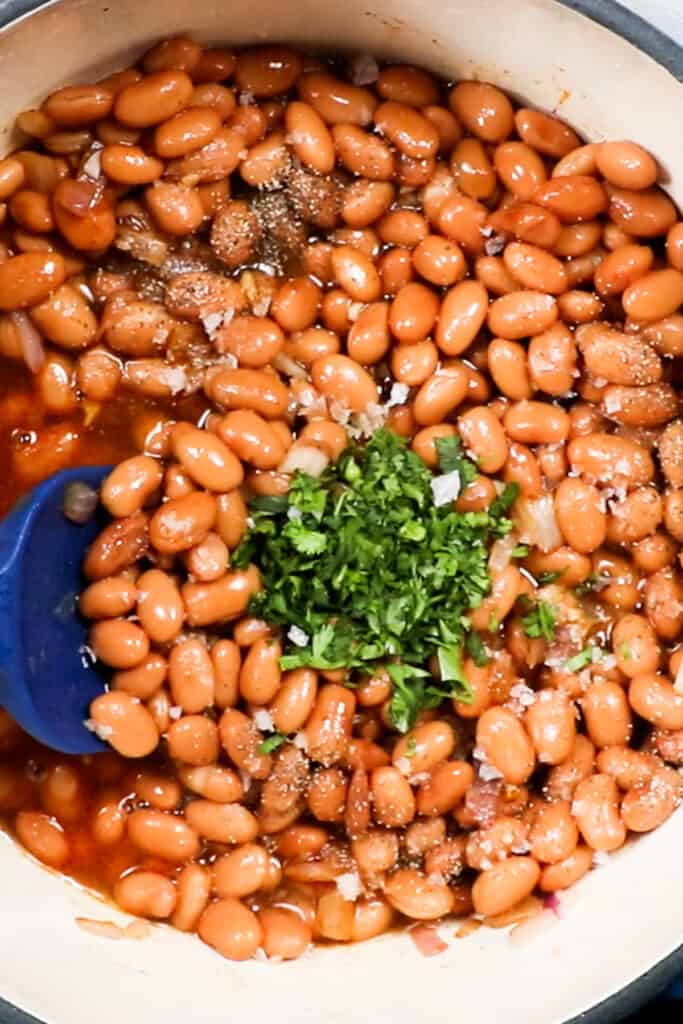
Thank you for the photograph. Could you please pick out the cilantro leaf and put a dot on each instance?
(540, 621)
(544, 579)
(451, 457)
(272, 742)
(476, 649)
(580, 660)
(364, 563)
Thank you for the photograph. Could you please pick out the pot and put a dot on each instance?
(612, 79)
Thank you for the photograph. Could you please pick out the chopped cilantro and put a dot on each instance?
(373, 572)
(521, 551)
(272, 742)
(411, 747)
(451, 456)
(591, 583)
(476, 649)
(540, 621)
(625, 652)
(546, 578)
(580, 660)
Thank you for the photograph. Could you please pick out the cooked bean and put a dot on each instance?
(654, 698)
(220, 600)
(503, 885)
(43, 837)
(506, 745)
(596, 810)
(521, 313)
(222, 823)
(126, 724)
(232, 929)
(484, 110)
(191, 675)
(413, 894)
(626, 165)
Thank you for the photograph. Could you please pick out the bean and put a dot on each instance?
(191, 675)
(567, 872)
(520, 168)
(130, 485)
(461, 219)
(502, 738)
(205, 458)
(341, 379)
(144, 680)
(552, 359)
(445, 788)
(337, 102)
(505, 884)
(220, 600)
(362, 153)
(547, 134)
(604, 457)
(29, 278)
(231, 929)
(92, 231)
(130, 165)
(620, 269)
(484, 110)
(365, 201)
(596, 811)
(439, 260)
(664, 604)
(413, 894)
(483, 434)
(462, 315)
(222, 823)
(146, 894)
(654, 295)
(645, 213)
(128, 726)
(98, 374)
(214, 162)
(12, 177)
(428, 745)
(260, 672)
(368, 339)
(647, 805)
(573, 197)
(626, 165)
(535, 268)
(108, 598)
(529, 222)
(648, 406)
(521, 313)
(654, 698)
(551, 724)
(154, 99)
(43, 837)
(241, 740)
(212, 781)
(635, 646)
(208, 560)
(530, 422)
(607, 714)
(193, 888)
(294, 700)
(285, 935)
(440, 394)
(553, 835)
(255, 390)
(119, 643)
(181, 523)
(626, 766)
(186, 132)
(580, 515)
(328, 729)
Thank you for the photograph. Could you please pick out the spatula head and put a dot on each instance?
(47, 676)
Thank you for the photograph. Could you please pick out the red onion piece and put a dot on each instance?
(30, 341)
(427, 940)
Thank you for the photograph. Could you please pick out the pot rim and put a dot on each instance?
(613, 16)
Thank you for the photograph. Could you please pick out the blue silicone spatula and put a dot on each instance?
(47, 678)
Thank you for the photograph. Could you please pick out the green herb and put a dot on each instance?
(521, 551)
(540, 621)
(476, 649)
(451, 456)
(272, 742)
(625, 652)
(580, 660)
(591, 583)
(546, 578)
(411, 747)
(505, 499)
(364, 562)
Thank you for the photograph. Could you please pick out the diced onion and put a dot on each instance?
(427, 940)
(30, 341)
(536, 522)
(285, 364)
(305, 458)
(501, 553)
(678, 681)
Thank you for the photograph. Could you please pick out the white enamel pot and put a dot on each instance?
(618, 939)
